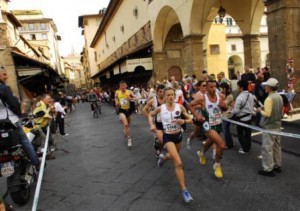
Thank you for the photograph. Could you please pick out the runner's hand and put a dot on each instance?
(153, 128)
(200, 118)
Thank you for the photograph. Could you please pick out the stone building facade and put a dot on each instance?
(28, 71)
(179, 31)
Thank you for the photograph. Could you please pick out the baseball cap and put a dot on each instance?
(270, 82)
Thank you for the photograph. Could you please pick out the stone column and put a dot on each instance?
(160, 69)
(284, 32)
(252, 50)
(193, 55)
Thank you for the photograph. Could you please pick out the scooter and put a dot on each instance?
(15, 164)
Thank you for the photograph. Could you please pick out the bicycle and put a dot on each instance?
(96, 109)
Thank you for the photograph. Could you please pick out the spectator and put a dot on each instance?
(243, 109)
(271, 120)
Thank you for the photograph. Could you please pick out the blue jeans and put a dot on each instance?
(227, 134)
(27, 145)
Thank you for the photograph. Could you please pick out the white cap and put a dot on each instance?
(271, 82)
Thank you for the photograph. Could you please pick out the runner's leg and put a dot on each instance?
(173, 153)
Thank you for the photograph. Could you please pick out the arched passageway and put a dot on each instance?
(176, 72)
(235, 64)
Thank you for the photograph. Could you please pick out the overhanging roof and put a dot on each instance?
(12, 18)
(141, 48)
(33, 62)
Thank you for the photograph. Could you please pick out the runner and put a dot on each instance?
(152, 104)
(172, 136)
(201, 87)
(211, 117)
(122, 100)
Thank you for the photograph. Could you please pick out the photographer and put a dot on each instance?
(10, 107)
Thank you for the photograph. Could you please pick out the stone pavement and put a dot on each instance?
(94, 170)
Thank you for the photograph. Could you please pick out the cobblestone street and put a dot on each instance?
(94, 170)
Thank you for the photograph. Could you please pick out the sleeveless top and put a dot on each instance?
(214, 111)
(157, 104)
(169, 118)
(124, 99)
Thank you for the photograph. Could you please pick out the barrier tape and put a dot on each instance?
(41, 173)
(292, 135)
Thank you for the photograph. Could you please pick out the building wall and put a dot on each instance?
(89, 32)
(45, 38)
(124, 16)
(217, 61)
(3, 4)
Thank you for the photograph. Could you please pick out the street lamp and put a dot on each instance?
(221, 12)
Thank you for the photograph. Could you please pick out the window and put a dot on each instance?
(233, 47)
(122, 29)
(32, 37)
(136, 12)
(43, 26)
(31, 26)
(214, 49)
(229, 21)
(95, 54)
(44, 37)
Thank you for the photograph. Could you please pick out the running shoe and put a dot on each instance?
(129, 142)
(202, 158)
(241, 151)
(214, 154)
(186, 196)
(218, 170)
(157, 153)
(188, 143)
(161, 160)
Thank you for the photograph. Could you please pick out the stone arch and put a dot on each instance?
(166, 18)
(176, 72)
(248, 16)
(235, 64)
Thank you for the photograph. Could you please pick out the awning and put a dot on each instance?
(29, 72)
(22, 60)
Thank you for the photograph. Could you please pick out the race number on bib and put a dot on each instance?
(123, 101)
(171, 127)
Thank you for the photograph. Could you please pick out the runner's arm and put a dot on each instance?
(192, 107)
(150, 118)
(147, 107)
(116, 99)
(186, 115)
(132, 96)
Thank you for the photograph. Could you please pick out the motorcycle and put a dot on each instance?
(14, 162)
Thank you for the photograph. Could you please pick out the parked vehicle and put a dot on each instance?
(14, 163)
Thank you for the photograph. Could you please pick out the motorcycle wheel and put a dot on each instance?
(22, 196)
